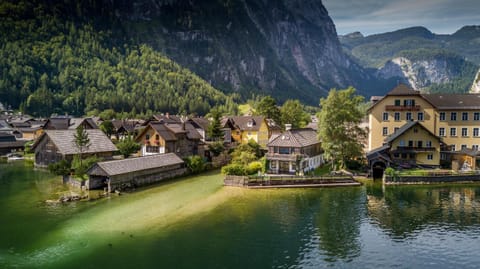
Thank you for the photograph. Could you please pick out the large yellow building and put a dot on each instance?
(455, 118)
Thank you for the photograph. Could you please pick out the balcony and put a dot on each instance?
(285, 157)
(413, 149)
(402, 108)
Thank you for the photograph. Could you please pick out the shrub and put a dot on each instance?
(128, 146)
(216, 148)
(254, 167)
(390, 172)
(80, 167)
(61, 168)
(195, 164)
(234, 169)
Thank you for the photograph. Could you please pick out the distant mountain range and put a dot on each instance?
(132, 56)
(419, 57)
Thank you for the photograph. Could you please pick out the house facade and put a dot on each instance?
(161, 138)
(455, 118)
(294, 151)
(56, 145)
(255, 128)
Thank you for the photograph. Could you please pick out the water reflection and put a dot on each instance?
(403, 211)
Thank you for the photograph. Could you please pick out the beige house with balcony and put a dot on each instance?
(455, 118)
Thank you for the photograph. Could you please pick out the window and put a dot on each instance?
(428, 144)
(147, 136)
(284, 150)
(442, 116)
(409, 116)
(441, 131)
(395, 129)
(397, 116)
(453, 116)
(476, 116)
(415, 130)
(464, 132)
(464, 116)
(475, 147)
(385, 116)
(410, 143)
(452, 147)
(420, 144)
(464, 146)
(453, 131)
(409, 102)
(401, 143)
(385, 131)
(397, 102)
(475, 132)
(153, 149)
(420, 116)
(430, 157)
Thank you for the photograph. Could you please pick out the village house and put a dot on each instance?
(160, 137)
(124, 128)
(201, 125)
(134, 172)
(455, 118)
(55, 145)
(67, 123)
(9, 144)
(255, 128)
(294, 151)
(412, 145)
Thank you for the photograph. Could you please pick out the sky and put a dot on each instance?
(379, 16)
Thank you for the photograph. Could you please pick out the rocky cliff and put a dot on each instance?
(286, 48)
(476, 84)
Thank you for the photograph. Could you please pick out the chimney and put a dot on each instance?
(288, 126)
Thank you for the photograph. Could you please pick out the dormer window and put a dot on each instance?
(250, 123)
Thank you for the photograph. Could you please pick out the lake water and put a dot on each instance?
(197, 223)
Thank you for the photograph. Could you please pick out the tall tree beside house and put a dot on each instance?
(81, 141)
(293, 112)
(214, 130)
(107, 127)
(267, 107)
(128, 146)
(339, 129)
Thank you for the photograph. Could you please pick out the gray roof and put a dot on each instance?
(119, 167)
(401, 90)
(4, 126)
(243, 122)
(64, 141)
(454, 101)
(295, 138)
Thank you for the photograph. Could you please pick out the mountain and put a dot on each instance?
(476, 84)
(285, 48)
(425, 60)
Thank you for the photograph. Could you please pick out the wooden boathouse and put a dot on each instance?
(134, 172)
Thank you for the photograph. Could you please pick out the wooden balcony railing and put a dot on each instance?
(415, 149)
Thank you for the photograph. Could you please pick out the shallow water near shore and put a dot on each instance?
(195, 222)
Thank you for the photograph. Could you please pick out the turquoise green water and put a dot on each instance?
(197, 223)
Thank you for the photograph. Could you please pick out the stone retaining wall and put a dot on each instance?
(430, 179)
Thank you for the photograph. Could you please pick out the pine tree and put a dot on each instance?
(81, 141)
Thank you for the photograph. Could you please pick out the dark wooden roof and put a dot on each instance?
(296, 138)
(248, 123)
(454, 101)
(401, 90)
(64, 141)
(201, 123)
(167, 118)
(120, 167)
(65, 123)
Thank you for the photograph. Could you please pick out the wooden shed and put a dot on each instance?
(133, 172)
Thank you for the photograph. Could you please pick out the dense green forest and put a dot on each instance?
(53, 64)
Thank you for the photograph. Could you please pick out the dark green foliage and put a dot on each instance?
(267, 107)
(61, 168)
(80, 166)
(195, 164)
(82, 142)
(216, 148)
(234, 169)
(338, 126)
(293, 112)
(128, 146)
(55, 63)
(214, 130)
(107, 127)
